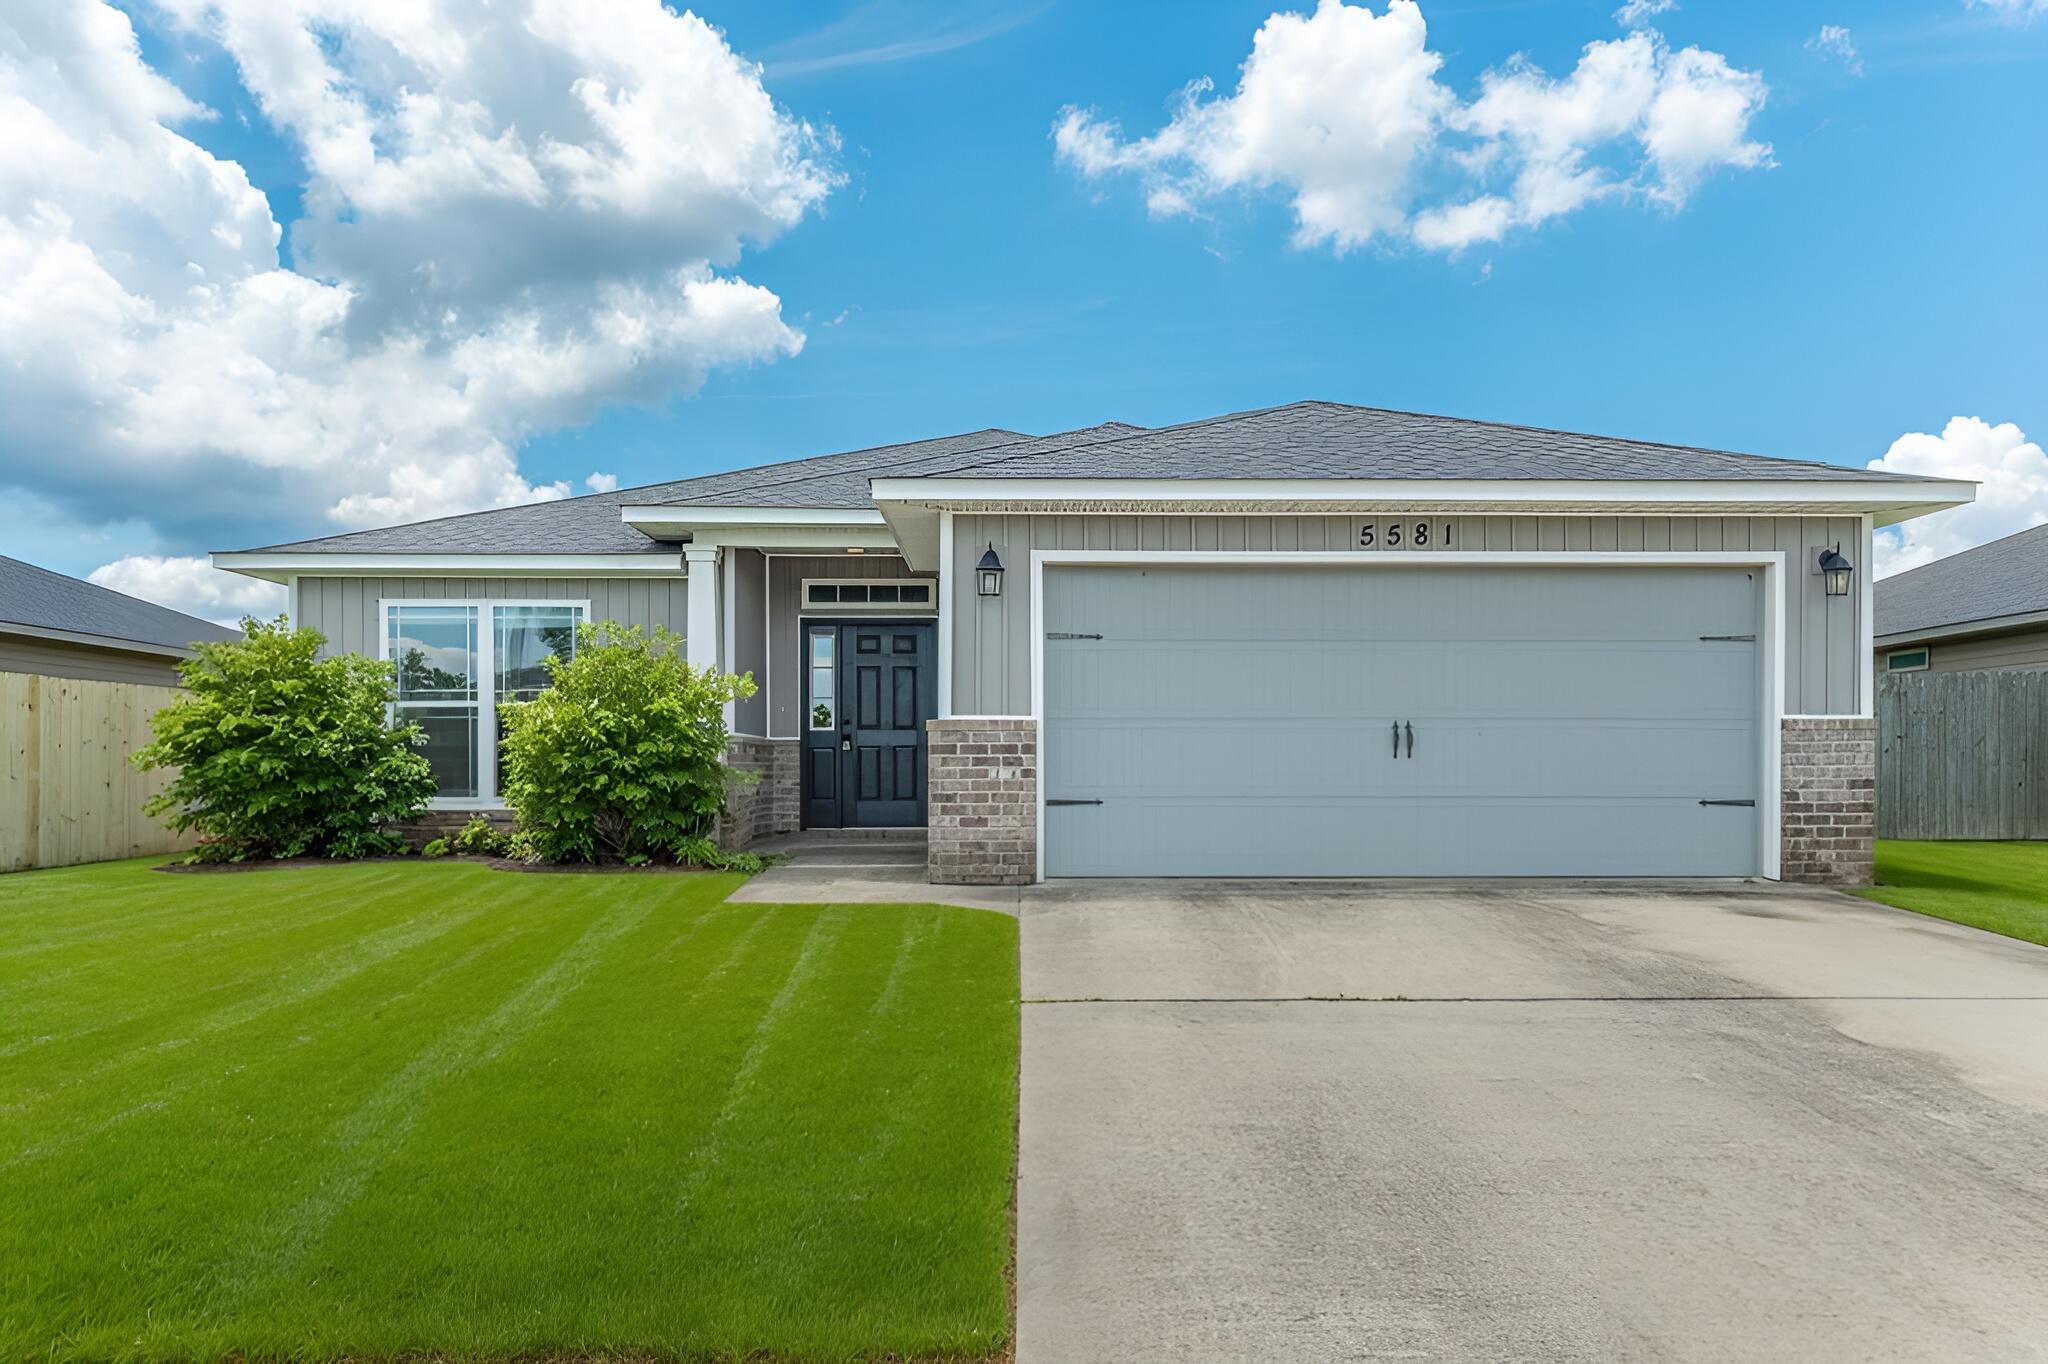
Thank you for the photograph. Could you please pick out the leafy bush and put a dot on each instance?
(280, 753)
(479, 839)
(623, 756)
(436, 847)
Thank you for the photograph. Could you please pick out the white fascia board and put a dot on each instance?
(277, 567)
(1846, 496)
(823, 540)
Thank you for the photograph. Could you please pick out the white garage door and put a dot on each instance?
(1401, 721)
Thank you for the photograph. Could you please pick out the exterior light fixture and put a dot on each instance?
(988, 574)
(856, 549)
(1835, 571)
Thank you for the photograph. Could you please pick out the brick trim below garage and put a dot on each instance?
(983, 802)
(1829, 812)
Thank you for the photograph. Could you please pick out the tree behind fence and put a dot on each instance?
(1963, 755)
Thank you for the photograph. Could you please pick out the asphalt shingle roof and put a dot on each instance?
(1333, 440)
(1299, 440)
(2007, 577)
(41, 600)
(591, 524)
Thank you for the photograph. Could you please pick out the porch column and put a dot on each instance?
(702, 629)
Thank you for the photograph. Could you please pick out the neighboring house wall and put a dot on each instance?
(54, 658)
(67, 792)
(1824, 656)
(2023, 649)
(345, 609)
(786, 573)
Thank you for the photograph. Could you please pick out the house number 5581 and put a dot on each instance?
(1415, 535)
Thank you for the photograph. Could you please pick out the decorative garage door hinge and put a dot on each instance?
(1728, 802)
(1073, 802)
(1061, 634)
(1733, 639)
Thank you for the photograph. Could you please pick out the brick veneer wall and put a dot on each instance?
(772, 805)
(1828, 813)
(983, 802)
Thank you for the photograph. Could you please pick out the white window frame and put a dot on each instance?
(1926, 659)
(487, 796)
(928, 607)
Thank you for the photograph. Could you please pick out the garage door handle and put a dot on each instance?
(1411, 739)
(1073, 802)
(1397, 738)
(1729, 802)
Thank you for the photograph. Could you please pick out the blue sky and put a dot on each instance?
(1881, 275)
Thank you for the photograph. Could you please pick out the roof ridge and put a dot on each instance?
(1126, 435)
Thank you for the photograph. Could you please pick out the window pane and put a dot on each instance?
(435, 649)
(527, 636)
(821, 684)
(824, 592)
(821, 650)
(450, 748)
(884, 593)
(916, 592)
(851, 592)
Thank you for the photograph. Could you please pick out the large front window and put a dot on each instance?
(445, 651)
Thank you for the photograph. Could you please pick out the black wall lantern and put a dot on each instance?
(988, 574)
(1835, 571)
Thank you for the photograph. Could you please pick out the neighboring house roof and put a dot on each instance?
(35, 601)
(1977, 589)
(1304, 440)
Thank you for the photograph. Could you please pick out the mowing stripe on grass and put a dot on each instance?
(825, 931)
(381, 1123)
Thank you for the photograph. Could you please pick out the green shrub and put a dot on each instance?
(279, 753)
(436, 847)
(623, 756)
(479, 839)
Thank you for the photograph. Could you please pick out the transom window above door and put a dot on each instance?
(909, 596)
(444, 651)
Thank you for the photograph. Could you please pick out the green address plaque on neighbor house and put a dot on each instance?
(1407, 533)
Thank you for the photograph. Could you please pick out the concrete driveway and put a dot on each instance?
(1319, 1122)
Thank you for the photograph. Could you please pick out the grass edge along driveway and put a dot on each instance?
(2001, 887)
(428, 1108)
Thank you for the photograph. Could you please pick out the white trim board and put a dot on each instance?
(1773, 562)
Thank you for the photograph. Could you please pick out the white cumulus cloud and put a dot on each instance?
(514, 214)
(1636, 13)
(2012, 495)
(602, 483)
(2019, 10)
(1341, 110)
(192, 586)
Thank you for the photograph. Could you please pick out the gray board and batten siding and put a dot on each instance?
(1825, 662)
(1200, 720)
(345, 610)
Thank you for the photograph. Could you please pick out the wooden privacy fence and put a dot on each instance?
(67, 793)
(1963, 755)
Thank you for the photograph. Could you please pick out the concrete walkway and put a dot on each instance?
(1526, 1121)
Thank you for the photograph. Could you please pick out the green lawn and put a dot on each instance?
(1999, 886)
(431, 1108)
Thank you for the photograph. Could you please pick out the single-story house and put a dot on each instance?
(1310, 640)
(54, 626)
(1982, 609)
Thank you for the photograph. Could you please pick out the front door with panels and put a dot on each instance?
(867, 694)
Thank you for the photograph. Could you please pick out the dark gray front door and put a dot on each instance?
(867, 694)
